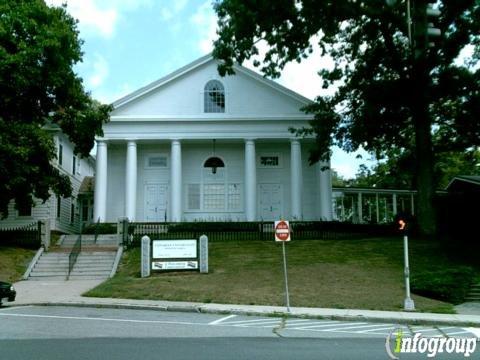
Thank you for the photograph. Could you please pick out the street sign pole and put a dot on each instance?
(409, 305)
(282, 234)
(287, 296)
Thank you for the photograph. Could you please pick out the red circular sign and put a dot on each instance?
(282, 231)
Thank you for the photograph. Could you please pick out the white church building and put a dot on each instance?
(194, 146)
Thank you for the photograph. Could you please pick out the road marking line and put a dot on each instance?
(309, 323)
(102, 319)
(384, 328)
(474, 331)
(16, 307)
(457, 333)
(334, 323)
(221, 320)
(253, 321)
(358, 327)
(430, 330)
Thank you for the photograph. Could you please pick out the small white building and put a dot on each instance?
(65, 214)
(194, 146)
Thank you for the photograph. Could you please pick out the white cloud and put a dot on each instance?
(205, 21)
(99, 17)
(301, 77)
(168, 12)
(110, 97)
(92, 18)
(100, 72)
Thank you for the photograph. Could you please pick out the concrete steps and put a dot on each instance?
(474, 294)
(93, 265)
(109, 240)
(50, 266)
(89, 265)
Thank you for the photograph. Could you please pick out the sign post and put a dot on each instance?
(282, 234)
(408, 304)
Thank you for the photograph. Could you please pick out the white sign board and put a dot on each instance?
(174, 265)
(174, 249)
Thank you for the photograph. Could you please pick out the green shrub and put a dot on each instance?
(451, 285)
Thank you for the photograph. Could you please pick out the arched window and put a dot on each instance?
(214, 97)
(214, 163)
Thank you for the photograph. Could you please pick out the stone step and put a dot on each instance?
(88, 277)
(50, 266)
(48, 278)
(90, 273)
(48, 273)
(94, 266)
(469, 299)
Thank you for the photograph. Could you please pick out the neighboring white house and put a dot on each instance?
(196, 146)
(64, 213)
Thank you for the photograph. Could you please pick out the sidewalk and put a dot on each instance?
(68, 293)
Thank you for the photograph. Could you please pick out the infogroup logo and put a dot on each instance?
(397, 343)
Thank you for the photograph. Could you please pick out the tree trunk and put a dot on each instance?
(422, 124)
(424, 174)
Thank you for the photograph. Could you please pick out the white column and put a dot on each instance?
(250, 181)
(325, 184)
(100, 196)
(131, 180)
(394, 204)
(360, 208)
(296, 179)
(176, 181)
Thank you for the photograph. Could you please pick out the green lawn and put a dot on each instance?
(14, 262)
(361, 274)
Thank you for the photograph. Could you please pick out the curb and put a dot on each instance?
(210, 310)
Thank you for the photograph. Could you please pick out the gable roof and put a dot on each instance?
(470, 180)
(195, 64)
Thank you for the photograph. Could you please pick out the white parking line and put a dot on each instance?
(379, 329)
(15, 307)
(253, 321)
(216, 322)
(101, 319)
(308, 323)
(474, 331)
(457, 333)
(358, 327)
(333, 323)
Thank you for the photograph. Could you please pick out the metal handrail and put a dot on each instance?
(96, 231)
(72, 257)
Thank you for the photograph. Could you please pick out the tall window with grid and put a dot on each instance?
(214, 97)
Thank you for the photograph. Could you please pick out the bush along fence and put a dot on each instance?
(241, 231)
(27, 236)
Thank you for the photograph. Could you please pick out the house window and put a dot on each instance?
(234, 200)
(193, 192)
(156, 161)
(214, 197)
(74, 164)
(24, 209)
(269, 161)
(214, 97)
(60, 154)
(59, 206)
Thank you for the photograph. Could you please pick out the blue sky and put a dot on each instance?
(130, 43)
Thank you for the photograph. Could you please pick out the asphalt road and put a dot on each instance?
(90, 333)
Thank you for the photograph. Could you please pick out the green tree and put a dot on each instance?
(39, 46)
(388, 96)
(396, 172)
